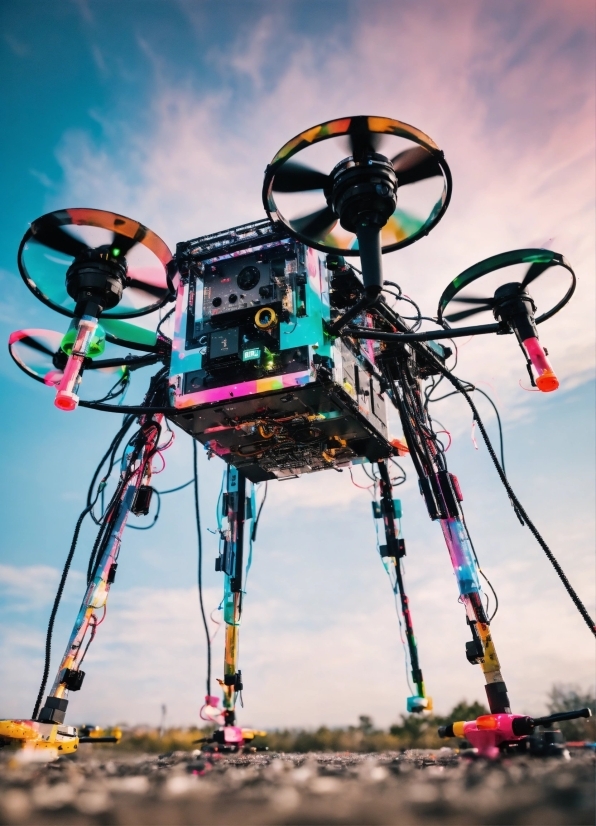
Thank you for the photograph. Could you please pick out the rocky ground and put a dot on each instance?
(416, 787)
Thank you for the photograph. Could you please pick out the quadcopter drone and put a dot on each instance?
(282, 360)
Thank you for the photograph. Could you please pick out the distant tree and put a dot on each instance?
(466, 711)
(365, 724)
(563, 697)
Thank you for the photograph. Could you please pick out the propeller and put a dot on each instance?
(484, 304)
(316, 225)
(38, 353)
(297, 177)
(146, 287)
(360, 139)
(411, 166)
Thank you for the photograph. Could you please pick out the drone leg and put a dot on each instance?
(395, 550)
(481, 649)
(443, 498)
(69, 677)
(231, 563)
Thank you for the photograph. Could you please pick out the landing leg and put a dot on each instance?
(395, 550)
(47, 732)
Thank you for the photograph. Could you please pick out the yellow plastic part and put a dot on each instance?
(251, 733)
(458, 729)
(33, 736)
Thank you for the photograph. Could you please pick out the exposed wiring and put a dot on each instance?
(57, 598)
(200, 562)
(517, 504)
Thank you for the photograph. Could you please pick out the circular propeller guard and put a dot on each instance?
(48, 249)
(539, 261)
(38, 353)
(321, 229)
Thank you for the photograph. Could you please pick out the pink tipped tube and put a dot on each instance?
(546, 380)
(66, 397)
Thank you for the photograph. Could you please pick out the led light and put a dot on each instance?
(250, 354)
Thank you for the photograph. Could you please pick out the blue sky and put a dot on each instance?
(169, 112)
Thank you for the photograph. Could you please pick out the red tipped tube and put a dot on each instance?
(66, 397)
(546, 380)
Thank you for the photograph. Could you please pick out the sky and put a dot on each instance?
(168, 112)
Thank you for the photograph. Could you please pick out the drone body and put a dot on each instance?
(281, 363)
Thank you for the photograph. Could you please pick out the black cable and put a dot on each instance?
(517, 504)
(200, 562)
(128, 420)
(163, 320)
(173, 490)
(470, 388)
(58, 597)
(256, 522)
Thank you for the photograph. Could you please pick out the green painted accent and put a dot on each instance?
(397, 508)
(497, 262)
(253, 353)
(129, 333)
(96, 346)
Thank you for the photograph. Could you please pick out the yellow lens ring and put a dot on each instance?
(266, 318)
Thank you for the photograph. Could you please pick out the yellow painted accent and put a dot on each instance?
(18, 730)
(458, 729)
(491, 661)
(429, 704)
(251, 733)
(31, 735)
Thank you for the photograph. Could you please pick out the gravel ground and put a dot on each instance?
(415, 787)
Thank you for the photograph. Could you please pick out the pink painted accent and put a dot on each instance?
(245, 388)
(66, 397)
(546, 381)
(17, 336)
(537, 355)
(486, 741)
(210, 700)
(233, 734)
(218, 449)
(53, 378)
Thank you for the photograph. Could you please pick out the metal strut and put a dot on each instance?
(237, 510)
(395, 550)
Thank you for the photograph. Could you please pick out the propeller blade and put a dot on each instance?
(121, 245)
(53, 236)
(36, 345)
(534, 270)
(414, 165)
(473, 299)
(158, 292)
(316, 225)
(466, 313)
(362, 140)
(296, 177)
(400, 225)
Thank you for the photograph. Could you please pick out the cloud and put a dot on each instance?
(513, 113)
(507, 94)
(309, 655)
